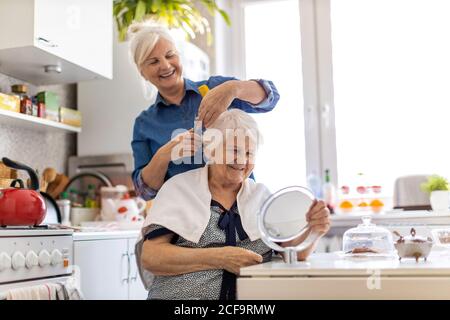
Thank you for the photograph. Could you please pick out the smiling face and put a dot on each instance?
(238, 162)
(162, 67)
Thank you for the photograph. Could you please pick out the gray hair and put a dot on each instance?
(231, 123)
(144, 37)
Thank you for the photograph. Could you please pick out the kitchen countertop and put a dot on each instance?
(392, 217)
(104, 235)
(333, 276)
(336, 265)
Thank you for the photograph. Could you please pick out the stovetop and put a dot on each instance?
(25, 231)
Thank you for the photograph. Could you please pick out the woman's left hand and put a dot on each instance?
(318, 217)
(216, 101)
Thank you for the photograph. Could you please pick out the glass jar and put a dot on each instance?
(367, 238)
(110, 198)
(26, 106)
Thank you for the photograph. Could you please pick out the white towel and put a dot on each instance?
(183, 205)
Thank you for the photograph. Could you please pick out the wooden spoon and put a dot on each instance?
(48, 176)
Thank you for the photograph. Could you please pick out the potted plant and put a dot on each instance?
(180, 14)
(437, 188)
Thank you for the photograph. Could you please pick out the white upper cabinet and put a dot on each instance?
(74, 35)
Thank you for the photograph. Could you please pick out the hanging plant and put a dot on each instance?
(181, 14)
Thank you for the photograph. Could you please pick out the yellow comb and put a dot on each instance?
(203, 90)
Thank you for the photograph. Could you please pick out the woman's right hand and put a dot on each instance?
(183, 145)
(233, 259)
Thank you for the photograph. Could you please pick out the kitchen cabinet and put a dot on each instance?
(108, 266)
(75, 36)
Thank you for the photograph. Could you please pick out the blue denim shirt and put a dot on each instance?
(153, 128)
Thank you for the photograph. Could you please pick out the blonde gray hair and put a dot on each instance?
(143, 38)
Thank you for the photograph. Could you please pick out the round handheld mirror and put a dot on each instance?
(282, 218)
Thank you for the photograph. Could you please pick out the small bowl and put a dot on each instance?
(413, 246)
(78, 215)
(414, 250)
(441, 237)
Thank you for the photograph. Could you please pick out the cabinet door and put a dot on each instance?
(50, 27)
(104, 268)
(136, 287)
(79, 31)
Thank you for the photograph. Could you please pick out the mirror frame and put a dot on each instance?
(271, 241)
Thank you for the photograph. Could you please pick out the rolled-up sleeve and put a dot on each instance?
(142, 189)
(272, 95)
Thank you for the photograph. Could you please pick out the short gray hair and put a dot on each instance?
(144, 37)
(231, 123)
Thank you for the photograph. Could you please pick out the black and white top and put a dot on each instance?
(224, 229)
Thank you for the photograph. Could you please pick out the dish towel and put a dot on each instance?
(46, 291)
(41, 292)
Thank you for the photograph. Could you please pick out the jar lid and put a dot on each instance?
(367, 226)
(412, 238)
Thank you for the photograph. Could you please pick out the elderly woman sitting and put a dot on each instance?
(202, 227)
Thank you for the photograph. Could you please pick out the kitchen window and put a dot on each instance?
(269, 55)
(374, 75)
(391, 71)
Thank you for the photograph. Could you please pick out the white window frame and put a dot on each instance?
(315, 30)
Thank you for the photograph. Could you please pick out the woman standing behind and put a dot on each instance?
(177, 104)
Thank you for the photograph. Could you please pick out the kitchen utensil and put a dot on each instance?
(48, 176)
(283, 218)
(53, 213)
(64, 208)
(413, 246)
(368, 239)
(5, 183)
(7, 172)
(58, 185)
(20, 206)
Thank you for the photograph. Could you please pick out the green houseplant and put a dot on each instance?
(435, 183)
(183, 14)
(438, 189)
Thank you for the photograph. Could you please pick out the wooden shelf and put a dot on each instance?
(35, 123)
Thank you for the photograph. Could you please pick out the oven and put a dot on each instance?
(34, 261)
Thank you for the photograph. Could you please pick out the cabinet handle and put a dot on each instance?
(127, 279)
(47, 43)
(133, 278)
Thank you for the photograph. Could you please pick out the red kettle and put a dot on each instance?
(20, 206)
